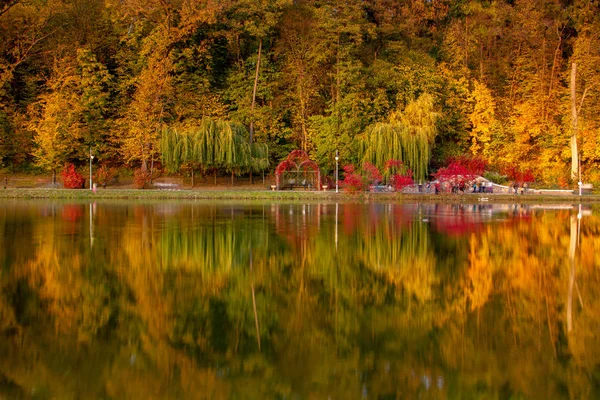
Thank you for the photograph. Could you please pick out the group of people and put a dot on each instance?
(520, 189)
(483, 187)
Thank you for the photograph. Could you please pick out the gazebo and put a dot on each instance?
(298, 171)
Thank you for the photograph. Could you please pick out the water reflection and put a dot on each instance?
(380, 300)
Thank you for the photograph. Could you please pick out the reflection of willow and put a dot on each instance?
(385, 253)
(387, 246)
(218, 247)
(404, 256)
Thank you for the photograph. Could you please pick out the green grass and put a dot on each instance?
(231, 194)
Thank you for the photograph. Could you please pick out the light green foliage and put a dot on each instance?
(407, 138)
(96, 83)
(213, 144)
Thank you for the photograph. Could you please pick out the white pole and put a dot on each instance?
(91, 158)
(337, 157)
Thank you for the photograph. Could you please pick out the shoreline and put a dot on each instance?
(251, 194)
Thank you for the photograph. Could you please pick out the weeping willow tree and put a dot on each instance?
(212, 145)
(408, 137)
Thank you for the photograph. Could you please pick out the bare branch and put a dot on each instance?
(6, 5)
(583, 98)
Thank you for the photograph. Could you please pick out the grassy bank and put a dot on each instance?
(267, 195)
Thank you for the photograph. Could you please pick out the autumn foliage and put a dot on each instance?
(71, 178)
(142, 178)
(518, 175)
(362, 79)
(400, 175)
(104, 175)
(475, 165)
(455, 175)
(353, 181)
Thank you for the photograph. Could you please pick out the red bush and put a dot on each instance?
(456, 175)
(104, 175)
(371, 174)
(71, 178)
(142, 178)
(517, 175)
(400, 181)
(401, 175)
(475, 165)
(352, 182)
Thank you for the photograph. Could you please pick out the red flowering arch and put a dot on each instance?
(298, 170)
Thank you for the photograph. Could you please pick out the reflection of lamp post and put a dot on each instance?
(337, 158)
(91, 158)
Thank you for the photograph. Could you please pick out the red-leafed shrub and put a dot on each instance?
(353, 181)
(518, 175)
(142, 178)
(71, 178)
(401, 175)
(372, 175)
(400, 181)
(456, 175)
(475, 165)
(104, 175)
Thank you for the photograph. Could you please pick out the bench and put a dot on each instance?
(165, 185)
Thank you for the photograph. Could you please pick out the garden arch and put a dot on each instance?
(298, 171)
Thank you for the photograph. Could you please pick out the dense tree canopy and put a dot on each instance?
(316, 75)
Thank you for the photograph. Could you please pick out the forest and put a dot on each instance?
(234, 85)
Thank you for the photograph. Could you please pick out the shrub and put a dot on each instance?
(519, 175)
(142, 178)
(105, 175)
(401, 175)
(475, 165)
(372, 176)
(353, 181)
(71, 178)
(455, 175)
(495, 177)
(400, 181)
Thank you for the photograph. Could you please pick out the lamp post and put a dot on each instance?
(337, 158)
(91, 159)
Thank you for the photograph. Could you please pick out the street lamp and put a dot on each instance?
(91, 159)
(337, 158)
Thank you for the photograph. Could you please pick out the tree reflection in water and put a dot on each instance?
(195, 300)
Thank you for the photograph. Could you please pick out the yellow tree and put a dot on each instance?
(148, 108)
(55, 117)
(482, 119)
(168, 24)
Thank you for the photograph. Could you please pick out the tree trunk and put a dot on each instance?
(192, 177)
(215, 176)
(151, 168)
(231, 178)
(574, 115)
(254, 92)
(144, 162)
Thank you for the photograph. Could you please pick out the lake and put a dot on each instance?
(219, 300)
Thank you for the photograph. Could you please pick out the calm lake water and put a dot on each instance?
(193, 300)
